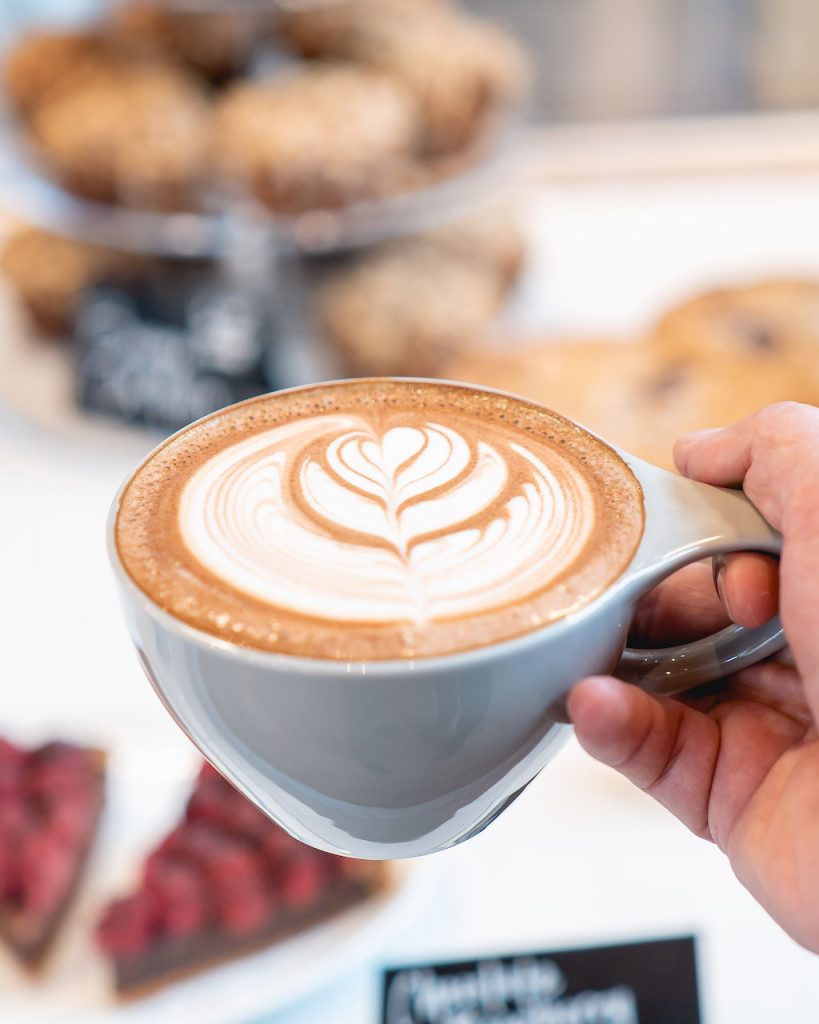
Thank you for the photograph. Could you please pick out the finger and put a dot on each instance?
(704, 768)
(771, 683)
(748, 586)
(666, 749)
(775, 455)
(686, 606)
(683, 607)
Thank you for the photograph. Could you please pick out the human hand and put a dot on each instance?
(738, 763)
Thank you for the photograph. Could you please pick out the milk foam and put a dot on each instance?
(415, 520)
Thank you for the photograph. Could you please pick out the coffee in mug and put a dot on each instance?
(365, 601)
(378, 519)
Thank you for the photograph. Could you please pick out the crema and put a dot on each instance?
(378, 519)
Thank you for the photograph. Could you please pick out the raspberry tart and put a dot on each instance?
(50, 803)
(224, 882)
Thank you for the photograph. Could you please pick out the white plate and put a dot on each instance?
(75, 986)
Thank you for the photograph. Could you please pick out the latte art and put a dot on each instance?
(329, 518)
(378, 519)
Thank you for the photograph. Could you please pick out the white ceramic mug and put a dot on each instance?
(400, 758)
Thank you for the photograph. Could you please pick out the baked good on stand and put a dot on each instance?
(139, 138)
(318, 138)
(42, 66)
(49, 273)
(51, 798)
(217, 44)
(224, 882)
(460, 69)
(410, 305)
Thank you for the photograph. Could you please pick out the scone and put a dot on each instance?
(49, 273)
(316, 139)
(216, 44)
(139, 138)
(460, 69)
(407, 309)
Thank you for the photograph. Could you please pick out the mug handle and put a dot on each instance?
(687, 521)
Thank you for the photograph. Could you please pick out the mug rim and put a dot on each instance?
(358, 666)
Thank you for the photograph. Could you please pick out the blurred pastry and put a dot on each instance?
(408, 308)
(460, 69)
(226, 881)
(139, 138)
(491, 237)
(586, 379)
(633, 394)
(323, 29)
(320, 138)
(764, 322)
(42, 66)
(49, 273)
(217, 44)
(52, 798)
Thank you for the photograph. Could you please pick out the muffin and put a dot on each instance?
(215, 44)
(321, 30)
(140, 138)
(49, 273)
(42, 66)
(459, 69)
(492, 238)
(407, 309)
(319, 138)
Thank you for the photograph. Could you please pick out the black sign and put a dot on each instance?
(641, 983)
(171, 345)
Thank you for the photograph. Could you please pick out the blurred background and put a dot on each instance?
(609, 207)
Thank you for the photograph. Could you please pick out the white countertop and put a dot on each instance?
(581, 857)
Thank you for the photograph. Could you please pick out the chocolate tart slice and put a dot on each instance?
(50, 803)
(225, 882)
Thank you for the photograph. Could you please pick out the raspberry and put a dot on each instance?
(175, 842)
(71, 819)
(278, 845)
(245, 818)
(179, 895)
(209, 802)
(12, 772)
(302, 882)
(125, 927)
(46, 871)
(10, 753)
(246, 910)
(207, 771)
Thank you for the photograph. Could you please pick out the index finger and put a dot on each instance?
(774, 455)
